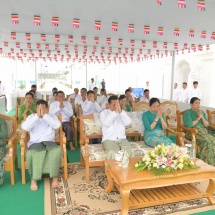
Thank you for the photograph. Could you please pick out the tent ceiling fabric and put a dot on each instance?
(124, 12)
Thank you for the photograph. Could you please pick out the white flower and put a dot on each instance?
(155, 165)
(136, 165)
(180, 165)
(163, 166)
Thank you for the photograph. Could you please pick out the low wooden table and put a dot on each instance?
(144, 189)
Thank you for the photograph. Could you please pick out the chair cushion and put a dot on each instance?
(169, 110)
(97, 153)
(141, 108)
(91, 127)
(172, 123)
(136, 123)
(9, 127)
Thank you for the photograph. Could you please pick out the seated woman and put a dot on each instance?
(155, 124)
(41, 126)
(34, 96)
(27, 108)
(196, 118)
(124, 106)
(3, 137)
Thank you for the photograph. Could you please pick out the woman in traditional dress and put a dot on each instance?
(124, 106)
(3, 137)
(196, 118)
(155, 124)
(28, 107)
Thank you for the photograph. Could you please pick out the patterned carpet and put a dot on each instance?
(76, 197)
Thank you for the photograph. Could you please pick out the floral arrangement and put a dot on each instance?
(165, 159)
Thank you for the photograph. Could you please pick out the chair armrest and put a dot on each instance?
(212, 126)
(180, 134)
(192, 130)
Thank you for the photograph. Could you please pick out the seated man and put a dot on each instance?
(103, 99)
(129, 98)
(145, 97)
(41, 126)
(37, 94)
(65, 108)
(90, 106)
(54, 89)
(81, 99)
(95, 90)
(74, 95)
(53, 98)
(114, 121)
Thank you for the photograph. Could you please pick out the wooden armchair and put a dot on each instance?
(140, 106)
(181, 127)
(10, 158)
(93, 154)
(59, 138)
(20, 100)
(72, 101)
(211, 120)
(170, 109)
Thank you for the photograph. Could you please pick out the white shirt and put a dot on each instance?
(113, 124)
(91, 86)
(184, 95)
(89, 107)
(66, 112)
(51, 100)
(78, 100)
(2, 89)
(195, 92)
(144, 99)
(72, 96)
(41, 129)
(38, 95)
(103, 100)
(176, 93)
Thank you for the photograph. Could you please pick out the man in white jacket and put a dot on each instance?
(114, 121)
(65, 108)
(41, 145)
(90, 106)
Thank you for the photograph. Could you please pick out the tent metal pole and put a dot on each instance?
(172, 74)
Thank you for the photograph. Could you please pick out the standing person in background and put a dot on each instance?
(195, 91)
(176, 93)
(103, 84)
(37, 94)
(147, 85)
(184, 93)
(3, 93)
(91, 85)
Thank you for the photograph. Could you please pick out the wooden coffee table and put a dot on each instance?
(144, 189)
